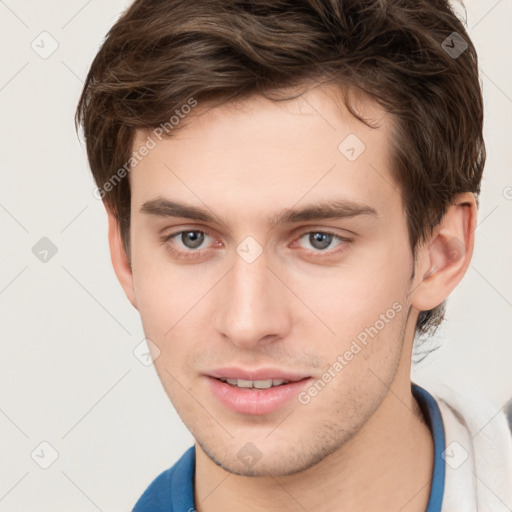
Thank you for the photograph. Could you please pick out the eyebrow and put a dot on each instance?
(331, 209)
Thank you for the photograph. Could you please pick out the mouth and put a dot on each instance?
(255, 384)
(256, 396)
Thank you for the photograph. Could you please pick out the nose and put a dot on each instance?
(251, 304)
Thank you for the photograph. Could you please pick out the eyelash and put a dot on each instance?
(183, 255)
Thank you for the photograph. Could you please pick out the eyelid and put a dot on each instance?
(176, 235)
(331, 230)
(165, 236)
(301, 232)
(316, 229)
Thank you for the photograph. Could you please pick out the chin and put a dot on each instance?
(276, 461)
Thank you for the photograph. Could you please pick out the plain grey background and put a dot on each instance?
(69, 377)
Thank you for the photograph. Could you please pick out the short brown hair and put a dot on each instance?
(158, 55)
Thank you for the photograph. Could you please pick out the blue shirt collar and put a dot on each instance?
(432, 415)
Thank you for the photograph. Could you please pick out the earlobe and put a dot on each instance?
(119, 258)
(445, 259)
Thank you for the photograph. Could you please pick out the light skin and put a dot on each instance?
(361, 443)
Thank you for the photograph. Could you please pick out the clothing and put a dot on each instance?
(172, 490)
(477, 457)
(434, 421)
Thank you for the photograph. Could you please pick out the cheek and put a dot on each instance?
(369, 287)
(166, 293)
(358, 371)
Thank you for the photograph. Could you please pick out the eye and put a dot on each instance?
(321, 241)
(188, 243)
(195, 243)
(190, 239)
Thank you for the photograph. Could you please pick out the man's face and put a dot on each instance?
(250, 293)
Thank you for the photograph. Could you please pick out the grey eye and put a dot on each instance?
(320, 240)
(192, 239)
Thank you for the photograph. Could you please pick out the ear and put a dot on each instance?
(120, 260)
(444, 259)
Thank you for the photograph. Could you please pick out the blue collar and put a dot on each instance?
(432, 415)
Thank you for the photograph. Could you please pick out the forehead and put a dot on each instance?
(243, 157)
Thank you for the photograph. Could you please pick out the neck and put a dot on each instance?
(387, 465)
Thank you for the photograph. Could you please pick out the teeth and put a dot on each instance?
(263, 384)
(258, 384)
(241, 383)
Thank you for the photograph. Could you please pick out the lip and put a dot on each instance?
(260, 374)
(256, 401)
